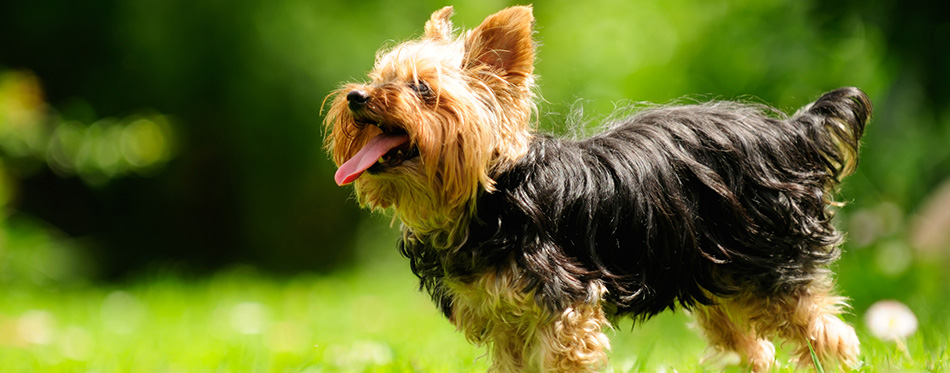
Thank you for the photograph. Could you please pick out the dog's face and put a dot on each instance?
(437, 118)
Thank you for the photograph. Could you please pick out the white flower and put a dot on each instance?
(890, 320)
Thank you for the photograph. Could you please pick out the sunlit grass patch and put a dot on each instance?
(235, 321)
(370, 319)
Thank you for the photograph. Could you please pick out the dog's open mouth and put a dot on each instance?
(387, 149)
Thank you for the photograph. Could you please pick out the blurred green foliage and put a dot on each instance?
(232, 170)
(96, 152)
(33, 136)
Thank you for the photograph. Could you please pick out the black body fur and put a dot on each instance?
(665, 207)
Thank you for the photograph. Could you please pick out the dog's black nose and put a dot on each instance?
(357, 98)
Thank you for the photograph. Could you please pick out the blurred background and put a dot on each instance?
(141, 136)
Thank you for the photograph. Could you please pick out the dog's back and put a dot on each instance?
(675, 203)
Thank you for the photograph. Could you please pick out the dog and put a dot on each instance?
(532, 244)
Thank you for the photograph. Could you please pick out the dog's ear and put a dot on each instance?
(503, 44)
(439, 27)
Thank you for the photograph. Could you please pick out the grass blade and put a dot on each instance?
(814, 358)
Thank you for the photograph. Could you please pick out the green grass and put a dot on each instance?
(369, 319)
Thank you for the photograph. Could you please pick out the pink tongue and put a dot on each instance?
(367, 156)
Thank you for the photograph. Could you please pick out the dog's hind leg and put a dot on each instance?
(811, 317)
(806, 315)
(727, 328)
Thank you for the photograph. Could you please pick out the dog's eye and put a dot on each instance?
(421, 88)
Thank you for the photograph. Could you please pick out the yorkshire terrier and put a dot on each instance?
(530, 243)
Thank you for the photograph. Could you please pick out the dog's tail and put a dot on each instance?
(837, 121)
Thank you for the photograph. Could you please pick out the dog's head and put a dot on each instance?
(437, 119)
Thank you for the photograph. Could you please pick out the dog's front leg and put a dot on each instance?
(573, 341)
(524, 336)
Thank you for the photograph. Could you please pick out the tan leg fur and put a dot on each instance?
(523, 336)
(746, 323)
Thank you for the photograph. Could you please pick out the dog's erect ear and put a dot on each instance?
(503, 44)
(439, 27)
